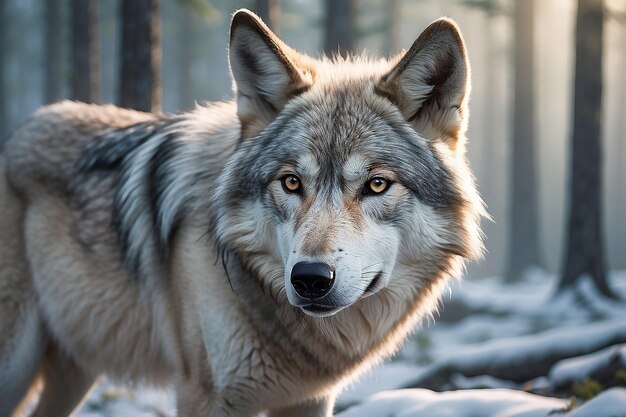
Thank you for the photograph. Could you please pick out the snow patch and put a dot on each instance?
(483, 403)
(380, 378)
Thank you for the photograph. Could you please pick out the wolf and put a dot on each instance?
(255, 254)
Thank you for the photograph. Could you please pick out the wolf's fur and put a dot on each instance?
(158, 249)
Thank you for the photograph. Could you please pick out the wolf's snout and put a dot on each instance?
(312, 280)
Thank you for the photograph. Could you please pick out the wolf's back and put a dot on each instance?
(43, 151)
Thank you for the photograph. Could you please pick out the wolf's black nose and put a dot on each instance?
(312, 280)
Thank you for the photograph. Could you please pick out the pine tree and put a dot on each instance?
(269, 12)
(523, 248)
(85, 51)
(140, 73)
(584, 254)
(340, 27)
(53, 53)
(3, 52)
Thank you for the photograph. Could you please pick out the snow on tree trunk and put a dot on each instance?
(85, 51)
(602, 366)
(140, 47)
(522, 358)
(523, 247)
(584, 254)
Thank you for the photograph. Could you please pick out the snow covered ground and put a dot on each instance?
(508, 331)
(484, 403)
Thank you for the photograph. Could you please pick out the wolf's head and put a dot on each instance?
(350, 176)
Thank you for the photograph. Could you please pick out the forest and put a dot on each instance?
(535, 328)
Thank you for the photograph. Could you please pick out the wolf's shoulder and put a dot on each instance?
(64, 139)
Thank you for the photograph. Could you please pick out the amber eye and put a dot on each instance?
(377, 185)
(291, 183)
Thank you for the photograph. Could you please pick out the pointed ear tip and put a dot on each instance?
(447, 21)
(243, 17)
(445, 24)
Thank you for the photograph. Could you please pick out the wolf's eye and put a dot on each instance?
(377, 185)
(291, 183)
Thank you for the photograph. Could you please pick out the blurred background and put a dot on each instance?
(544, 311)
(49, 46)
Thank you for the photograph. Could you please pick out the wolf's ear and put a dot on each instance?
(267, 72)
(430, 83)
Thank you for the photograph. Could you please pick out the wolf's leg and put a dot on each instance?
(65, 384)
(197, 398)
(21, 347)
(21, 333)
(194, 399)
(319, 408)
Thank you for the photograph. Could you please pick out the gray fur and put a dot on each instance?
(118, 219)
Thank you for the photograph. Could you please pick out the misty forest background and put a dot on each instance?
(535, 107)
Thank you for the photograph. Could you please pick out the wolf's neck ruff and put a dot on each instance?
(406, 116)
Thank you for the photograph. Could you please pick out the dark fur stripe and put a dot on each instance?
(160, 175)
(114, 153)
(131, 260)
(107, 151)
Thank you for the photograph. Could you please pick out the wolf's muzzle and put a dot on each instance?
(312, 280)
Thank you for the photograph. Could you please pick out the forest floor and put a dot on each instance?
(495, 350)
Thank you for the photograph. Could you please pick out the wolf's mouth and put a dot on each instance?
(373, 287)
(320, 310)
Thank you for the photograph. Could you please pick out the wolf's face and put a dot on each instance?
(349, 173)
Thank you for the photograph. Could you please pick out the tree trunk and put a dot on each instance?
(339, 34)
(3, 50)
(393, 26)
(489, 176)
(523, 248)
(140, 47)
(269, 11)
(584, 254)
(185, 60)
(53, 59)
(85, 51)
(620, 193)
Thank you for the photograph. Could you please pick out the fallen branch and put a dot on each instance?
(523, 358)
